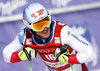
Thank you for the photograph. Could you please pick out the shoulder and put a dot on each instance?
(66, 32)
(58, 25)
(21, 35)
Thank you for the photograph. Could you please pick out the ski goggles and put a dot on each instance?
(39, 26)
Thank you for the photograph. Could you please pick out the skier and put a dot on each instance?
(57, 44)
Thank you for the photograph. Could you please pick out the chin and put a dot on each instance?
(46, 36)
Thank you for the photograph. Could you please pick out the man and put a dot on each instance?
(60, 48)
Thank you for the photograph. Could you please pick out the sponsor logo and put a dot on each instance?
(46, 51)
(57, 40)
(79, 39)
(69, 33)
(29, 41)
(37, 13)
(56, 65)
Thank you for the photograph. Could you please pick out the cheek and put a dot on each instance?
(38, 33)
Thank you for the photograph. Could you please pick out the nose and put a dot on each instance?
(45, 28)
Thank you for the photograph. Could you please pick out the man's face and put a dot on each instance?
(45, 33)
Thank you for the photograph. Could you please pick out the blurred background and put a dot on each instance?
(83, 16)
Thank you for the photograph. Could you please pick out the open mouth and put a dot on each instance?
(45, 32)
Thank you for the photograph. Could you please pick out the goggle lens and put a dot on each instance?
(39, 26)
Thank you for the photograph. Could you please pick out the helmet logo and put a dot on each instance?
(37, 13)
